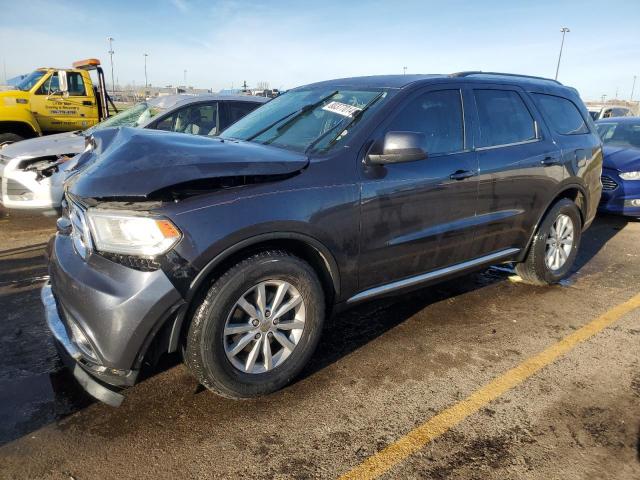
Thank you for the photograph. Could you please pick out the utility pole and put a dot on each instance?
(185, 78)
(633, 87)
(564, 31)
(604, 96)
(111, 39)
(146, 83)
(404, 70)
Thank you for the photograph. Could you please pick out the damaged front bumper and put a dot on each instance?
(71, 355)
(19, 190)
(104, 316)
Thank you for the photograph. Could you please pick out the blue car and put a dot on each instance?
(621, 166)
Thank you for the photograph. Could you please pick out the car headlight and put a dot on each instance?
(630, 175)
(131, 234)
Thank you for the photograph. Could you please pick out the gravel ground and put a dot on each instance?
(381, 369)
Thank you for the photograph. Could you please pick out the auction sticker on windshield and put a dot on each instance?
(341, 109)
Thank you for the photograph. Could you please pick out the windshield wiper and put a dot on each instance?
(352, 119)
(294, 115)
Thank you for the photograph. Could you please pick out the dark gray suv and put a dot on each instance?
(233, 250)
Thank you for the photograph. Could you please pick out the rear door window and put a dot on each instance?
(237, 110)
(438, 115)
(504, 118)
(562, 114)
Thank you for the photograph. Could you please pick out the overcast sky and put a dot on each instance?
(287, 43)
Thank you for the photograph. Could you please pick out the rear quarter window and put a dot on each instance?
(562, 115)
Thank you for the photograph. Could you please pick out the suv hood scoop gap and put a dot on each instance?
(135, 163)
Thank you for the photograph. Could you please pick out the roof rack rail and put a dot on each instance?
(480, 72)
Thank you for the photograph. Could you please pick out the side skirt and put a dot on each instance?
(433, 275)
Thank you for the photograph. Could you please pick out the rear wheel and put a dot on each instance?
(257, 326)
(6, 138)
(554, 247)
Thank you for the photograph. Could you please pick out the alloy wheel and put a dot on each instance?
(264, 326)
(559, 242)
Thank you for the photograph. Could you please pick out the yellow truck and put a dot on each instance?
(51, 100)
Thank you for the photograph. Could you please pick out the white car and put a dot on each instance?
(32, 172)
(599, 112)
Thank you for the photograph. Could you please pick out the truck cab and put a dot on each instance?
(51, 100)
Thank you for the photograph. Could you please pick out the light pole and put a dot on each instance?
(185, 79)
(404, 70)
(111, 39)
(564, 31)
(604, 96)
(633, 87)
(146, 83)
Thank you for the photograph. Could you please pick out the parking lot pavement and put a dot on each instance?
(382, 370)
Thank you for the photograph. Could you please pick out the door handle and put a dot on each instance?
(550, 160)
(87, 103)
(461, 174)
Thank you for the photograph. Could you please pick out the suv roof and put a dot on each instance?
(401, 81)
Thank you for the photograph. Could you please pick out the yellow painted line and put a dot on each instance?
(385, 459)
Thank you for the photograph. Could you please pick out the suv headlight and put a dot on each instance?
(131, 234)
(630, 175)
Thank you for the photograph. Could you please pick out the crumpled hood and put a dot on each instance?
(58, 144)
(624, 159)
(134, 163)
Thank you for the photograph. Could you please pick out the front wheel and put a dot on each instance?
(554, 247)
(257, 326)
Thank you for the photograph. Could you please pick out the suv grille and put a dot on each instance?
(608, 183)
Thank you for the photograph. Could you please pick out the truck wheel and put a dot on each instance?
(6, 138)
(554, 247)
(257, 326)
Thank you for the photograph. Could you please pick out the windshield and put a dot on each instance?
(622, 134)
(131, 117)
(303, 120)
(30, 80)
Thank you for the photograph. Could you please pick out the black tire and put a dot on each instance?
(204, 353)
(533, 269)
(9, 138)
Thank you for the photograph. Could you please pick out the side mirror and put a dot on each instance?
(63, 84)
(399, 147)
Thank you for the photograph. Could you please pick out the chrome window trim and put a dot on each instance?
(504, 145)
